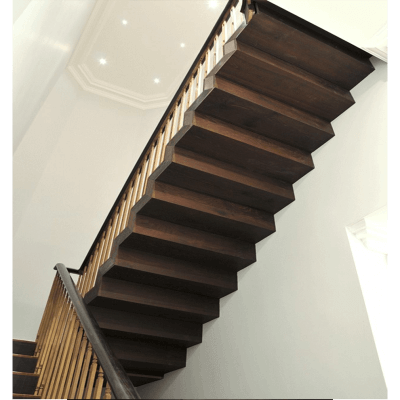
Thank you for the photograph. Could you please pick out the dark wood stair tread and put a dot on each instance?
(292, 39)
(25, 347)
(152, 300)
(208, 213)
(142, 379)
(152, 269)
(25, 396)
(212, 137)
(24, 363)
(146, 357)
(24, 382)
(263, 115)
(284, 82)
(225, 181)
(145, 327)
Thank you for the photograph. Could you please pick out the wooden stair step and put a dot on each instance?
(171, 273)
(24, 347)
(283, 81)
(145, 327)
(216, 178)
(148, 358)
(23, 363)
(173, 240)
(207, 213)
(151, 300)
(284, 35)
(24, 382)
(234, 145)
(263, 115)
(142, 379)
(25, 396)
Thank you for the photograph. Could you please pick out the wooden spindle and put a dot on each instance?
(84, 372)
(143, 177)
(136, 188)
(90, 271)
(64, 349)
(74, 360)
(107, 392)
(103, 256)
(121, 214)
(127, 208)
(160, 139)
(90, 380)
(99, 384)
(113, 231)
(78, 368)
(149, 168)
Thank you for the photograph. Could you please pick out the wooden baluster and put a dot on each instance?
(121, 215)
(49, 324)
(78, 368)
(46, 314)
(49, 372)
(165, 139)
(200, 79)
(84, 372)
(86, 276)
(97, 265)
(91, 269)
(182, 109)
(157, 161)
(90, 380)
(127, 208)
(52, 339)
(143, 181)
(135, 189)
(74, 360)
(99, 384)
(176, 118)
(150, 167)
(64, 349)
(113, 221)
(103, 256)
(215, 59)
(191, 91)
(107, 392)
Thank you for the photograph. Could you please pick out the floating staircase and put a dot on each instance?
(24, 364)
(266, 106)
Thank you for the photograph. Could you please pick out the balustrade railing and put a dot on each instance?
(74, 360)
(153, 155)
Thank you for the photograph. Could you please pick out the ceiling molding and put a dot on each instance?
(88, 82)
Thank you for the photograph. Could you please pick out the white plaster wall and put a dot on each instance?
(68, 171)
(297, 327)
(45, 33)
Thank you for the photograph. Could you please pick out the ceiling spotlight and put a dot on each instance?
(212, 4)
(103, 61)
(156, 80)
(124, 21)
(183, 45)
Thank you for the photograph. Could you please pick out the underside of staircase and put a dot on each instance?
(267, 105)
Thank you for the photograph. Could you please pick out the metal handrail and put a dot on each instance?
(121, 385)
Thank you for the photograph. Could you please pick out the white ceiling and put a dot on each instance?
(146, 48)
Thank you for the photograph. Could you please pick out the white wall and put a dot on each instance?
(45, 33)
(297, 327)
(68, 171)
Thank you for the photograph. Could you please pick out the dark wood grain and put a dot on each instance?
(145, 327)
(234, 145)
(292, 39)
(142, 379)
(148, 358)
(152, 300)
(208, 213)
(25, 347)
(24, 382)
(252, 111)
(171, 273)
(284, 82)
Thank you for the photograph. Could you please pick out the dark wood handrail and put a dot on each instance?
(207, 43)
(121, 385)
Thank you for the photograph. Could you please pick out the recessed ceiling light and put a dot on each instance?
(156, 80)
(183, 44)
(212, 4)
(124, 21)
(103, 61)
